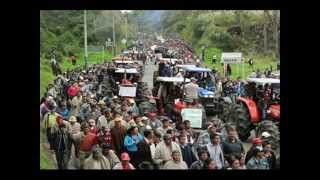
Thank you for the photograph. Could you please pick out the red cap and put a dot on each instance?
(256, 141)
(125, 157)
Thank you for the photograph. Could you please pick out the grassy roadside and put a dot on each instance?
(260, 62)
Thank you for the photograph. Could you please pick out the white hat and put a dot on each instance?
(144, 118)
(148, 127)
(265, 134)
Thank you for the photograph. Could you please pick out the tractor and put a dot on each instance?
(247, 116)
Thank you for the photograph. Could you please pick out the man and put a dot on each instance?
(164, 150)
(92, 126)
(175, 162)
(85, 110)
(189, 129)
(251, 63)
(144, 150)
(125, 163)
(87, 142)
(105, 136)
(110, 155)
(104, 119)
(187, 153)
(154, 122)
(141, 126)
(61, 144)
(96, 161)
(204, 138)
(118, 133)
(156, 141)
(269, 155)
(165, 127)
(73, 90)
(49, 123)
(133, 106)
(52, 91)
(232, 145)
(258, 161)
(74, 134)
(191, 89)
(215, 150)
(203, 157)
(75, 105)
(118, 117)
(256, 142)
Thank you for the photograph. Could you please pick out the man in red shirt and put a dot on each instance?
(87, 141)
(73, 90)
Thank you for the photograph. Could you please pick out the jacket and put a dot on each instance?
(118, 135)
(255, 163)
(216, 154)
(163, 153)
(101, 163)
(130, 142)
(144, 151)
(187, 154)
(113, 158)
(232, 148)
(61, 140)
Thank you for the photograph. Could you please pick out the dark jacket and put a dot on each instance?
(61, 140)
(230, 149)
(272, 161)
(249, 154)
(144, 151)
(188, 155)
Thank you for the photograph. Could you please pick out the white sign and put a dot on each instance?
(231, 58)
(193, 115)
(127, 91)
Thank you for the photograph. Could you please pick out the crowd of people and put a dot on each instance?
(104, 131)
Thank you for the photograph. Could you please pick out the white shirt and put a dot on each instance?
(216, 154)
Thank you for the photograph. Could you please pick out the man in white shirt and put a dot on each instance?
(215, 150)
(191, 89)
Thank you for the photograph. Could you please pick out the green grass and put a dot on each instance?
(261, 62)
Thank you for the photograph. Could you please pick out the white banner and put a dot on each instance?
(127, 91)
(231, 58)
(193, 115)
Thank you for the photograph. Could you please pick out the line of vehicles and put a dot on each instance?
(245, 113)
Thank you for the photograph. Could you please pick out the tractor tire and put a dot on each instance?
(238, 116)
(270, 127)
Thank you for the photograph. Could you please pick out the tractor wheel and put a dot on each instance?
(237, 115)
(273, 130)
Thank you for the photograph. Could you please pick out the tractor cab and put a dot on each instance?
(206, 93)
(168, 89)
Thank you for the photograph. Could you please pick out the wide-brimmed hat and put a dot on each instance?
(73, 119)
(101, 102)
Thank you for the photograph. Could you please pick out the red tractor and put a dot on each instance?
(246, 114)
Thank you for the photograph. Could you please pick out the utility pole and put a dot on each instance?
(85, 41)
(114, 37)
(126, 29)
